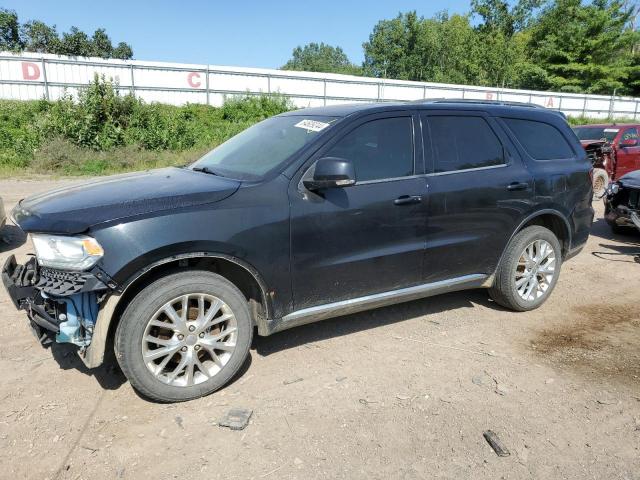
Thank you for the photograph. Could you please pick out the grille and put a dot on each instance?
(56, 282)
(634, 199)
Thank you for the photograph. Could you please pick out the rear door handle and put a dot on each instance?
(407, 200)
(517, 186)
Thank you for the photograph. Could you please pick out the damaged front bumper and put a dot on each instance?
(61, 306)
(622, 215)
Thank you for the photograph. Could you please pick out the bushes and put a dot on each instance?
(104, 132)
(255, 108)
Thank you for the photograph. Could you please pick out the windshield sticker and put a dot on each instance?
(311, 125)
(612, 130)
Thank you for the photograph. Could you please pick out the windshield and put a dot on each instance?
(264, 146)
(596, 133)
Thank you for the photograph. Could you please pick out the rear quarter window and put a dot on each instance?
(542, 141)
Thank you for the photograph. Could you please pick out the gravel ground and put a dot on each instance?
(401, 392)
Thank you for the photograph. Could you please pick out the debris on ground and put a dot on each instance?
(236, 418)
(495, 443)
(292, 380)
(178, 420)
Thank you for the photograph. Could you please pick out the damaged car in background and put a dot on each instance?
(622, 203)
(613, 150)
(307, 215)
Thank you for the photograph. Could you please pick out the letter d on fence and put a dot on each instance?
(30, 71)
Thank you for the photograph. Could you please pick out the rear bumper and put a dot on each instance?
(581, 221)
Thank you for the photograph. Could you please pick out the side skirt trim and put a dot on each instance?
(345, 307)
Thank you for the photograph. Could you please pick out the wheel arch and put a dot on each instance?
(549, 218)
(240, 273)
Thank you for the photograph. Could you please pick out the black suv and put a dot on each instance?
(308, 215)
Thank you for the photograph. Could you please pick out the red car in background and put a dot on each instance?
(614, 150)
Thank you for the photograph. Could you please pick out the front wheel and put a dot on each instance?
(600, 182)
(184, 336)
(529, 269)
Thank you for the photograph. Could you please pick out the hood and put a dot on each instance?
(631, 180)
(77, 208)
(593, 143)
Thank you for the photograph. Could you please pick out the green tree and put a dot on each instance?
(102, 46)
(392, 50)
(320, 57)
(37, 36)
(440, 49)
(40, 37)
(498, 15)
(76, 42)
(9, 30)
(501, 36)
(586, 47)
(123, 51)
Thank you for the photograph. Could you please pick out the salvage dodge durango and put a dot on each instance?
(308, 215)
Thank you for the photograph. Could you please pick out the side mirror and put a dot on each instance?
(629, 142)
(331, 172)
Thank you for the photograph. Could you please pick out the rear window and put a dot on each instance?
(541, 140)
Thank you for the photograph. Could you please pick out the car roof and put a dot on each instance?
(609, 125)
(497, 108)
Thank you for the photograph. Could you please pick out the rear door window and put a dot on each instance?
(540, 140)
(463, 143)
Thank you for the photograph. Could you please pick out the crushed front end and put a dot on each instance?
(622, 202)
(601, 154)
(62, 306)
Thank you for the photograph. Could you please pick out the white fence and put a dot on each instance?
(33, 76)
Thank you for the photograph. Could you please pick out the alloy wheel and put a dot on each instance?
(189, 339)
(535, 270)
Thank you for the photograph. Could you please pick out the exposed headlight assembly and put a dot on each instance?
(613, 188)
(66, 253)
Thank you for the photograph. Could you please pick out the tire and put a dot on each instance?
(210, 354)
(511, 270)
(600, 182)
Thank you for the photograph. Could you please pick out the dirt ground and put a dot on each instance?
(401, 392)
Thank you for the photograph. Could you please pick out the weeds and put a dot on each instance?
(105, 132)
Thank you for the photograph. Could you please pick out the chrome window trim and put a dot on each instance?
(490, 167)
(384, 180)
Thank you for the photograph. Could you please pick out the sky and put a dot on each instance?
(235, 33)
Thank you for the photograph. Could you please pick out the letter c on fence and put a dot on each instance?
(30, 71)
(193, 79)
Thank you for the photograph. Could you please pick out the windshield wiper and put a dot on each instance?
(205, 170)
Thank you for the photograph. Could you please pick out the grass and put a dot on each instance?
(103, 132)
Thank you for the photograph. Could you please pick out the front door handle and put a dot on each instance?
(517, 186)
(407, 200)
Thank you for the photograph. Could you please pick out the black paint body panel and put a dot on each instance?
(310, 249)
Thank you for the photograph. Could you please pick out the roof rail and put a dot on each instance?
(478, 102)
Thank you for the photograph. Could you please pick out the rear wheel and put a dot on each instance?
(529, 269)
(184, 336)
